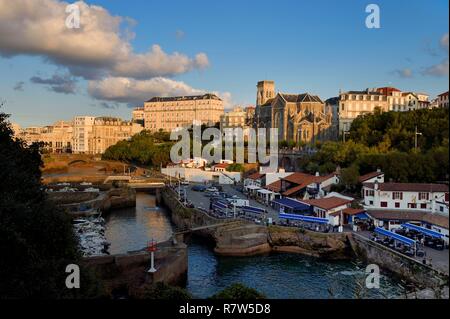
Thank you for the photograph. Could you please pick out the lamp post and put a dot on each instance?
(152, 248)
(415, 138)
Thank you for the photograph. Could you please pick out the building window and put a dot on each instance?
(384, 204)
(412, 205)
(424, 196)
(423, 206)
(397, 205)
(397, 195)
(370, 192)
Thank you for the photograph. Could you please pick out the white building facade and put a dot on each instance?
(404, 196)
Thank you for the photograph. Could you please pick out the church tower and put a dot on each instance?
(265, 92)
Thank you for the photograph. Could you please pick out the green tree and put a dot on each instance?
(349, 177)
(162, 291)
(238, 292)
(37, 240)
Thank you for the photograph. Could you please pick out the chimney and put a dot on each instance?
(317, 174)
(378, 170)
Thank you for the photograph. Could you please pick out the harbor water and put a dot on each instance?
(284, 276)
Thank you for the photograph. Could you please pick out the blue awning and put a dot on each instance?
(400, 238)
(303, 218)
(290, 203)
(252, 209)
(423, 230)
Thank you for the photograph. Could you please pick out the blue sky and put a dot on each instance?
(317, 46)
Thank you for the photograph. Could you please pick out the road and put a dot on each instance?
(201, 201)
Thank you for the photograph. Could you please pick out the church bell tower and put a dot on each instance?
(265, 92)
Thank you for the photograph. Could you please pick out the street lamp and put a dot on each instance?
(415, 138)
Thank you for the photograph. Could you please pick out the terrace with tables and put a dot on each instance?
(423, 244)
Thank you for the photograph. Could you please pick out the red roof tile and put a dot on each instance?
(327, 203)
(410, 215)
(368, 176)
(255, 176)
(221, 165)
(409, 187)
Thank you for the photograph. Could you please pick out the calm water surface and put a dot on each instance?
(277, 275)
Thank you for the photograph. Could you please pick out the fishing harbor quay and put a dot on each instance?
(249, 228)
(400, 252)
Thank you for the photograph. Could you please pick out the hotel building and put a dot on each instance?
(168, 113)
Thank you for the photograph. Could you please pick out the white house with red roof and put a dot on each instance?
(330, 207)
(404, 196)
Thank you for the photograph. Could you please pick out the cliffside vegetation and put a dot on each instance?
(387, 141)
(148, 149)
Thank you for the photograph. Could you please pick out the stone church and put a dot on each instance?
(298, 117)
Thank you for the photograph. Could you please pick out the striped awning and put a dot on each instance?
(423, 230)
(303, 218)
(400, 238)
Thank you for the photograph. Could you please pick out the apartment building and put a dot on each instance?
(138, 115)
(58, 138)
(169, 113)
(355, 103)
(83, 135)
(108, 131)
(82, 130)
(235, 118)
(442, 99)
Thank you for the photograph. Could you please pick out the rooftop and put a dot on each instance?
(410, 215)
(256, 176)
(409, 187)
(185, 98)
(368, 176)
(327, 203)
(301, 98)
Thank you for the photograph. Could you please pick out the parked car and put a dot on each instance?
(199, 188)
(212, 189)
(185, 183)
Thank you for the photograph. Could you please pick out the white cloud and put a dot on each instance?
(404, 73)
(157, 63)
(444, 42)
(126, 90)
(440, 69)
(99, 47)
(133, 92)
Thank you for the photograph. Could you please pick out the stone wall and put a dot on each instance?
(128, 272)
(399, 264)
(294, 240)
(241, 239)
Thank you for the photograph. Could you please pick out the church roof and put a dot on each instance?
(268, 103)
(299, 98)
